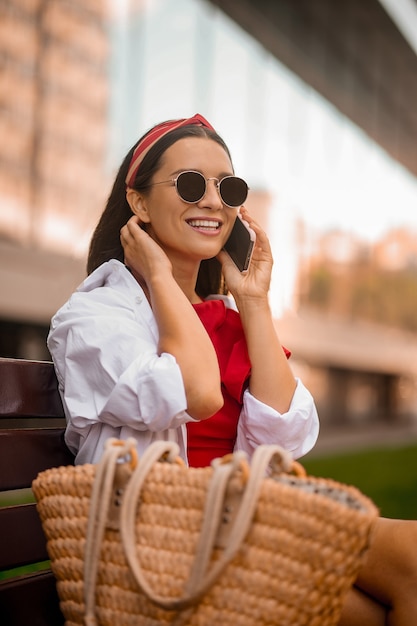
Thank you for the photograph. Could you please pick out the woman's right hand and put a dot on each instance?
(143, 256)
(180, 331)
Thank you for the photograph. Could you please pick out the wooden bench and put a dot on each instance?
(31, 439)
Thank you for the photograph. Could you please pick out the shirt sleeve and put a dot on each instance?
(296, 430)
(109, 370)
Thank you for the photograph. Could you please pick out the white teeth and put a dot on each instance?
(204, 224)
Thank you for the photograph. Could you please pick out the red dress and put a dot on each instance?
(216, 436)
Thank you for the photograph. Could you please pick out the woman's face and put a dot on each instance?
(197, 231)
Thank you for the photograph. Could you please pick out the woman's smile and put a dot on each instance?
(205, 225)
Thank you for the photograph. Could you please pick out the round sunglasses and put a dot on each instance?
(191, 187)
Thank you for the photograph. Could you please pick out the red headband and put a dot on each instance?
(155, 135)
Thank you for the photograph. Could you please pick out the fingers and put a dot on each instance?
(262, 240)
(226, 262)
(131, 225)
(130, 229)
(130, 238)
(247, 217)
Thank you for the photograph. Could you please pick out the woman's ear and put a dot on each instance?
(138, 204)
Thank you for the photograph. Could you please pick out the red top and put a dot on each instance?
(216, 436)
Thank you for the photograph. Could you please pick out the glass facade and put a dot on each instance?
(311, 168)
(81, 80)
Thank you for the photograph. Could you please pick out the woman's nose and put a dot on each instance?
(212, 197)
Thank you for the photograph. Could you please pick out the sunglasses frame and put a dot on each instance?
(174, 182)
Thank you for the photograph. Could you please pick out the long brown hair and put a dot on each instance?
(105, 243)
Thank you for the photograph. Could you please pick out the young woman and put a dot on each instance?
(151, 346)
(142, 349)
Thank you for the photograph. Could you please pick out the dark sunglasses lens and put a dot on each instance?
(233, 191)
(191, 186)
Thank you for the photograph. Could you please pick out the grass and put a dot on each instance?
(17, 496)
(387, 475)
(10, 498)
(25, 569)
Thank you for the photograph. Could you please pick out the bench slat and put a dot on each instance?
(21, 546)
(29, 397)
(30, 600)
(26, 452)
(29, 388)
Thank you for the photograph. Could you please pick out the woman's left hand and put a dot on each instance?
(255, 283)
(271, 380)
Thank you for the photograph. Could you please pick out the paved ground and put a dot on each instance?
(377, 435)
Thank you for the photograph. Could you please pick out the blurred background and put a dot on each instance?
(317, 101)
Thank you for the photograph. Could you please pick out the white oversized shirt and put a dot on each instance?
(113, 382)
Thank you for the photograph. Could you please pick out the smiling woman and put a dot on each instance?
(169, 355)
(167, 340)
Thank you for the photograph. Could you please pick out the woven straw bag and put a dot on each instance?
(152, 542)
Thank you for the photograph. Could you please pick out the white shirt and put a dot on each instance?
(113, 383)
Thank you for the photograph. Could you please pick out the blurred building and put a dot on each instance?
(53, 125)
(315, 99)
(397, 250)
(358, 372)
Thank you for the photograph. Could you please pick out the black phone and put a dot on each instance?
(240, 244)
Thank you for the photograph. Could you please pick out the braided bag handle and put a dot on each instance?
(202, 577)
(99, 507)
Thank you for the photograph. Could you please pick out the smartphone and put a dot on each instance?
(240, 244)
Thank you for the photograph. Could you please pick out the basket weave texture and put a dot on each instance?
(300, 556)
